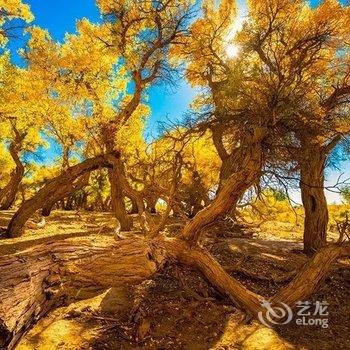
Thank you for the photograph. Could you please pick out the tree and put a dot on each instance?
(289, 85)
(18, 121)
(307, 80)
(139, 33)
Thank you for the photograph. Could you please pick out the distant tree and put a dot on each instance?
(278, 195)
(345, 194)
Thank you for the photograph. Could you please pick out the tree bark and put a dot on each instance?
(46, 275)
(146, 221)
(194, 256)
(114, 177)
(37, 279)
(134, 206)
(151, 202)
(8, 194)
(117, 199)
(247, 171)
(314, 200)
(227, 164)
(65, 191)
(41, 198)
(301, 287)
(306, 282)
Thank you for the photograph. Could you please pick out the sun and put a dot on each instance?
(232, 50)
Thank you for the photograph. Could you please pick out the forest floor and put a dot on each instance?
(177, 308)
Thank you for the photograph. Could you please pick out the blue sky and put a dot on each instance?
(60, 16)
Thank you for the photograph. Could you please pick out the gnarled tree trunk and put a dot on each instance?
(302, 286)
(8, 193)
(44, 195)
(117, 200)
(151, 202)
(114, 177)
(248, 162)
(46, 275)
(314, 199)
(109, 134)
(311, 275)
(65, 191)
(134, 207)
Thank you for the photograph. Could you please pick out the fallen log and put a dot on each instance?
(38, 279)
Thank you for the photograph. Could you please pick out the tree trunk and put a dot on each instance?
(46, 275)
(227, 164)
(151, 204)
(146, 221)
(22, 191)
(226, 170)
(306, 282)
(65, 191)
(194, 256)
(314, 200)
(247, 171)
(8, 194)
(114, 177)
(117, 200)
(41, 198)
(134, 206)
(302, 286)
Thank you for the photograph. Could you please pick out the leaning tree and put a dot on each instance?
(86, 66)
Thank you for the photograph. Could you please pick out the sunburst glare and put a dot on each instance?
(232, 50)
